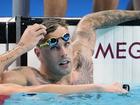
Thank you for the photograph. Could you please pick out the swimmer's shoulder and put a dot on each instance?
(18, 75)
(24, 70)
(28, 71)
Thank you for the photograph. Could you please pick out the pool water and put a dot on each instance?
(92, 98)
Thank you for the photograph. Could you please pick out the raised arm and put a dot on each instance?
(29, 39)
(85, 30)
(106, 19)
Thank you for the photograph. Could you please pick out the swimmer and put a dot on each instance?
(66, 61)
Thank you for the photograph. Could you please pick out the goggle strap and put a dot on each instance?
(43, 45)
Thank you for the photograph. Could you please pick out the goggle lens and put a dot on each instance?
(52, 42)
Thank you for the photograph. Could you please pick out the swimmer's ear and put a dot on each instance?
(37, 52)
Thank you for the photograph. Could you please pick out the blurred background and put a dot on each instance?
(75, 8)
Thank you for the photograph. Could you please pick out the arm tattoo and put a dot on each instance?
(85, 31)
(21, 44)
(87, 25)
(114, 17)
(107, 18)
(7, 58)
(19, 68)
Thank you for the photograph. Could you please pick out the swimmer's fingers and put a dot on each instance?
(41, 32)
(32, 35)
(116, 88)
(36, 27)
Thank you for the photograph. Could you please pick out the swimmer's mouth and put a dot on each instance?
(64, 62)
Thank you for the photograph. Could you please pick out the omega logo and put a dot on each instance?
(120, 51)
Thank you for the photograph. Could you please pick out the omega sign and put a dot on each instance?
(120, 50)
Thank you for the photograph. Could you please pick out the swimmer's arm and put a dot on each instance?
(29, 39)
(106, 19)
(8, 89)
(7, 58)
(85, 31)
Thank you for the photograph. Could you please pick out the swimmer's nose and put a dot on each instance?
(63, 51)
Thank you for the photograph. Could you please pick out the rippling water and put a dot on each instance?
(132, 98)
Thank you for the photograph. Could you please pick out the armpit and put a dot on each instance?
(83, 64)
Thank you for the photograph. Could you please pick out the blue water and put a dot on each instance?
(132, 98)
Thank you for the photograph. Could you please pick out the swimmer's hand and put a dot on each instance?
(115, 88)
(31, 36)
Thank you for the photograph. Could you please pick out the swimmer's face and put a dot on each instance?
(56, 55)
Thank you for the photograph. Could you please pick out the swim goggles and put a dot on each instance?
(52, 42)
